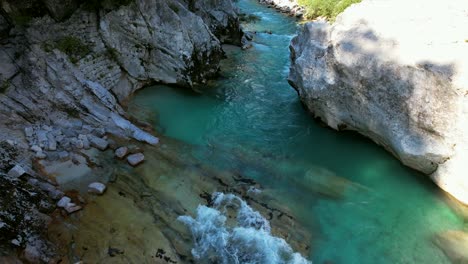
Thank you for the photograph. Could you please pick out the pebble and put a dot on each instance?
(121, 152)
(96, 188)
(136, 159)
(64, 202)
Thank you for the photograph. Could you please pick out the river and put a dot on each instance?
(350, 200)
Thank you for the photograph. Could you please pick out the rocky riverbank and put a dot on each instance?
(400, 80)
(286, 6)
(66, 71)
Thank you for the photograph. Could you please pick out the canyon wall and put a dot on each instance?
(396, 72)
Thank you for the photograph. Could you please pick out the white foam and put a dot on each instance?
(247, 241)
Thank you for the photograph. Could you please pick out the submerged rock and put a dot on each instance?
(454, 244)
(136, 159)
(400, 80)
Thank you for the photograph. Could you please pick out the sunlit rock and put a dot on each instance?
(136, 159)
(96, 188)
(400, 80)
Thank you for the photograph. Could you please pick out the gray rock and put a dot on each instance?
(394, 81)
(77, 124)
(63, 155)
(52, 143)
(56, 133)
(32, 254)
(64, 202)
(70, 132)
(98, 143)
(121, 152)
(71, 208)
(41, 155)
(96, 188)
(85, 141)
(56, 194)
(42, 137)
(16, 172)
(28, 131)
(36, 148)
(77, 143)
(99, 132)
(136, 159)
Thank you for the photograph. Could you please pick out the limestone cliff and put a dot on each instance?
(66, 67)
(397, 72)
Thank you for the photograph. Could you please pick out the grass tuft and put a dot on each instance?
(73, 47)
(329, 9)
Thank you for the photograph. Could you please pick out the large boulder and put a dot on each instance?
(397, 72)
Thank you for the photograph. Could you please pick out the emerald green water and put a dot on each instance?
(357, 201)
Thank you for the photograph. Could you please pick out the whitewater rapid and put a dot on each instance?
(244, 239)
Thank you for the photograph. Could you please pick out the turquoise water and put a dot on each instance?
(358, 202)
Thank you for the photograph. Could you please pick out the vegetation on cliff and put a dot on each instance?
(325, 8)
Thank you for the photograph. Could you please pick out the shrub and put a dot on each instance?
(92, 5)
(325, 8)
(21, 20)
(73, 47)
(5, 85)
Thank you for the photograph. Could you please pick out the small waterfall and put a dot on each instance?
(245, 238)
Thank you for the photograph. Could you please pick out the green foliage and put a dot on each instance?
(325, 8)
(5, 85)
(73, 47)
(92, 5)
(113, 54)
(174, 7)
(21, 20)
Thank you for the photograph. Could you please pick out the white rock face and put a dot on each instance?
(397, 72)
